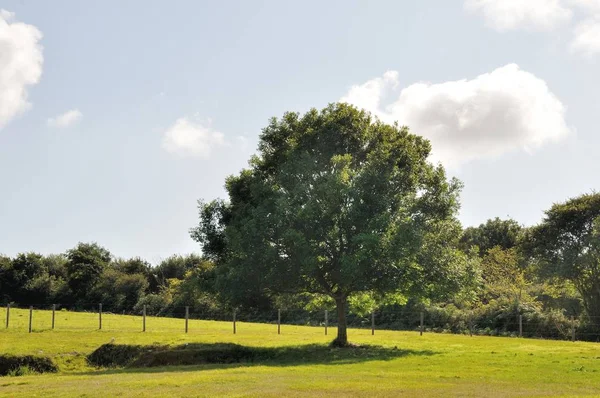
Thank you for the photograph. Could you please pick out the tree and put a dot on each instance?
(176, 267)
(28, 279)
(135, 265)
(495, 232)
(566, 244)
(336, 203)
(85, 264)
(5, 288)
(119, 291)
(503, 275)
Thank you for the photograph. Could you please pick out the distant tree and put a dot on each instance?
(119, 291)
(336, 203)
(495, 232)
(197, 289)
(566, 244)
(504, 276)
(85, 264)
(134, 265)
(5, 288)
(28, 279)
(176, 267)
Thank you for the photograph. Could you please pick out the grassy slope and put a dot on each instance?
(458, 366)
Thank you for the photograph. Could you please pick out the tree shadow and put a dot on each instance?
(112, 358)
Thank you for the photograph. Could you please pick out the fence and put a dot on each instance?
(99, 317)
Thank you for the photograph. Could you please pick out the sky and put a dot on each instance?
(117, 116)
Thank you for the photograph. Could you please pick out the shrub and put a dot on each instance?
(12, 365)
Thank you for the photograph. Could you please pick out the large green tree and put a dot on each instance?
(566, 244)
(495, 232)
(336, 203)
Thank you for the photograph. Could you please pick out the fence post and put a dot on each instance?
(373, 323)
(421, 324)
(234, 328)
(100, 316)
(326, 322)
(471, 325)
(187, 317)
(30, 317)
(572, 328)
(7, 314)
(144, 319)
(53, 313)
(520, 325)
(279, 321)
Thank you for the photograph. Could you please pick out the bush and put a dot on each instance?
(12, 365)
(155, 304)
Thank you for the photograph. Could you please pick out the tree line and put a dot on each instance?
(341, 211)
(89, 274)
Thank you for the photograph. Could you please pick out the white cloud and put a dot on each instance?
(21, 62)
(586, 38)
(370, 94)
(586, 5)
(188, 138)
(504, 15)
(498, 112)
(66, 119)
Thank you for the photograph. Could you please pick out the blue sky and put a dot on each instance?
(115, 117)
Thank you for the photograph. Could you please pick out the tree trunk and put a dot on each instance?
(342, 330)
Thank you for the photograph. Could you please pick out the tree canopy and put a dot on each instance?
(495, 232)
(567, 245)
(337, 203)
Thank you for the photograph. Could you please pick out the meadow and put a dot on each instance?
(406, 364)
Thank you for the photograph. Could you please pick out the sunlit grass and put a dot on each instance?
(458, 365)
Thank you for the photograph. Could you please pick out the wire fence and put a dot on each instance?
(82, 317)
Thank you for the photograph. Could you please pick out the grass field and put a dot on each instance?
(430, 365)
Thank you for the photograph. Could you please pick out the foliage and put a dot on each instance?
(118, 291)
(85, 264)
(495, 232)
(503, 275)
(566, 244)
(156, 304)
(336, 203)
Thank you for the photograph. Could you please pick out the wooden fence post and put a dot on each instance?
(187, 317)
(326, 322)
(373, 323)
(7, 314)
(279, 321)
(471, 325)
(234, 326)
(30, 317)
(100, 316)
(144, 319)
(421, 325)
(520, 325)
(53, 314)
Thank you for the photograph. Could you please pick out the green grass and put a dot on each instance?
(432, 365)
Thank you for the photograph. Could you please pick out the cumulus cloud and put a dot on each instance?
(586, 34)
(504, 15)
(506, 110)
(586, 38)
(66, 119)
(586, 5)
(21, 62)
(189, 138)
